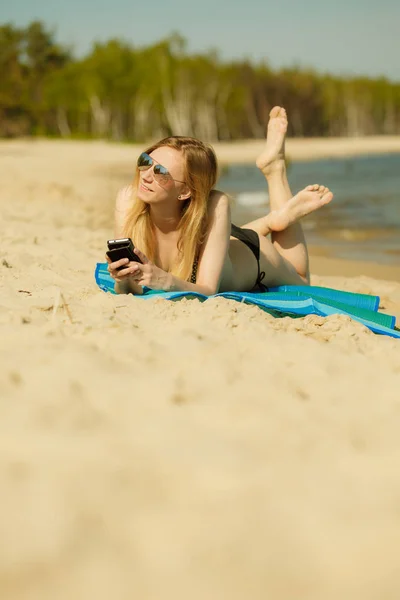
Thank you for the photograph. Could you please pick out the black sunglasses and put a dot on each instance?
(161, 174)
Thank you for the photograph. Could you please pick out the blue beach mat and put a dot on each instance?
(288, 300)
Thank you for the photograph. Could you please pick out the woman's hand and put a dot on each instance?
(145, 274)
(149, 274)
(119, 275)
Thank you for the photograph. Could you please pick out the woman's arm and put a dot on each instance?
(211, 261)
(128, 286)
(214, 250)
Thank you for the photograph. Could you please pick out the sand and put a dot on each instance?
(312, 148)
(181, 450)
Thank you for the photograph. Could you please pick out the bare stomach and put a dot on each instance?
(240, 269)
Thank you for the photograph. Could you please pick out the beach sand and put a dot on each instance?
(181, 450)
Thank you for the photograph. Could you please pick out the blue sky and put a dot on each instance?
(355, 37)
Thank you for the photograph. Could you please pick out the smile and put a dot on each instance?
(145, 188)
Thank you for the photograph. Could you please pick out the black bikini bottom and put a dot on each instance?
(252, 241)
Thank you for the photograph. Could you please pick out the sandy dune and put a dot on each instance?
(181, 450)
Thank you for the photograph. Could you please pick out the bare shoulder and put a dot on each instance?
(124, 198)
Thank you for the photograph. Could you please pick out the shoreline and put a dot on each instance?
(324, 262)
(308, 149)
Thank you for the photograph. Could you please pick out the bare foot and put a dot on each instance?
(302, 204)
(272, 158)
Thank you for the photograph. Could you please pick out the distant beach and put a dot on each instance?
(236, 152)
(300, 149)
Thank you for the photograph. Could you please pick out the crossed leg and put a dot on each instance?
(284, 256)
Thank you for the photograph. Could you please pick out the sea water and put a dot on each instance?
(363, 220)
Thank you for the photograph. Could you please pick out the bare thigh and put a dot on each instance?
(278, 270)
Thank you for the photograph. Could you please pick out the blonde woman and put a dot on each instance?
(182, 230)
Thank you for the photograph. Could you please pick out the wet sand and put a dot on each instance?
(181, 450)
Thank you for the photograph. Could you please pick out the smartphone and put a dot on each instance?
(122, 248)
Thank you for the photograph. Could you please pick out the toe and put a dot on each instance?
(327, 197)
(282, 112)
(275, 112)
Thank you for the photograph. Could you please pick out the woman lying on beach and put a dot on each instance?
(182, 229)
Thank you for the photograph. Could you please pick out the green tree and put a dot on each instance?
(119, 91)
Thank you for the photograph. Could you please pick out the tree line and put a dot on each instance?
(121, 92)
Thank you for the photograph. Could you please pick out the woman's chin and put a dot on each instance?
(142, 195)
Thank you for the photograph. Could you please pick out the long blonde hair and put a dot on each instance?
(200, 175)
